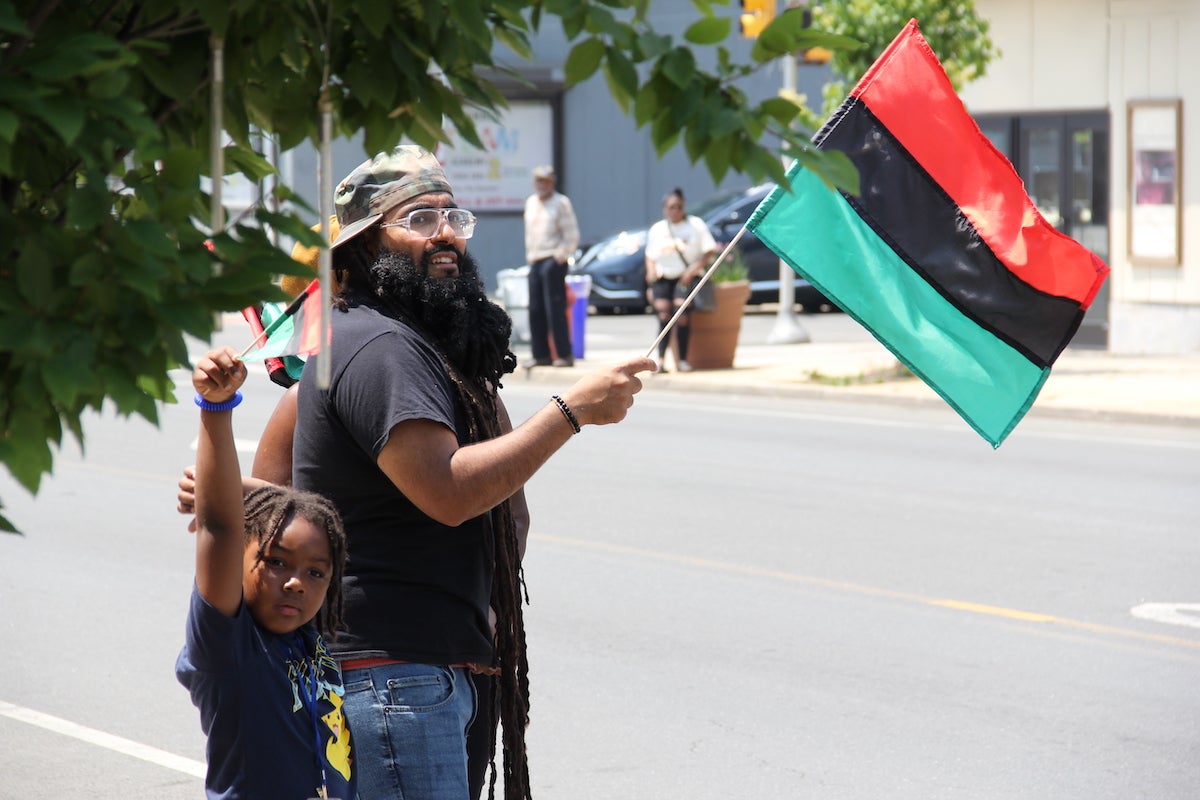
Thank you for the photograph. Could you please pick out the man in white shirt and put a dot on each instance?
(551, 236)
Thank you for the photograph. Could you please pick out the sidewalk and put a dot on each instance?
(1082, 382)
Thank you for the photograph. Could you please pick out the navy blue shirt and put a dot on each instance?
(265, 702)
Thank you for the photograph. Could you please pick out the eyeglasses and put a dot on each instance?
(426, 222)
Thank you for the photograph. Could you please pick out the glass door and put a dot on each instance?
(1063, 159)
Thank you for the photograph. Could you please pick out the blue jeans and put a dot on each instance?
(408, 728)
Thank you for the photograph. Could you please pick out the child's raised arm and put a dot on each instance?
(220, 515)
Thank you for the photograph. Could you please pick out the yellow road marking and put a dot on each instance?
(939, 602)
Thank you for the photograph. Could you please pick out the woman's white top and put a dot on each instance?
(666, 240)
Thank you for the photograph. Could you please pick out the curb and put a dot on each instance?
(911, 391)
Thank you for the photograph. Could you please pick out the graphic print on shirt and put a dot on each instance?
(337, 749)
(321, 678)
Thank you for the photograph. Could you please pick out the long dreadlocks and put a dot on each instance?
(470, 334)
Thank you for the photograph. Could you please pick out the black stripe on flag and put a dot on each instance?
(907, 208)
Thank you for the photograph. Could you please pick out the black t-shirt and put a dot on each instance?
(415, 589)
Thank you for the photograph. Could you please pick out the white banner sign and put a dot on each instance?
(497, 178)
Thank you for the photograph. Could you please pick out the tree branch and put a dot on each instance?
(169, 28)
(102, 20)
(34, 23)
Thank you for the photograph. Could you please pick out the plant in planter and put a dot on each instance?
(715, 333)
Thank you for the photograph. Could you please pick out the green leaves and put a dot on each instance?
(63, 114)
(708, 30)
(956, 32)
(105, 121)
(583, 60)
(787, 34)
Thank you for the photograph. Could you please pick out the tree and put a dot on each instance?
(957, 34)
(105, 123)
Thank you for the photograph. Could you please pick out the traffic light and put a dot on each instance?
(813, 55)
(756, 15)
(817, 55)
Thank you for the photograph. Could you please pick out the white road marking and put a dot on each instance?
(161, 758)
(1186, 614)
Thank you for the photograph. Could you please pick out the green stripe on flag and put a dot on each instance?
(280, 342)
(823, 238)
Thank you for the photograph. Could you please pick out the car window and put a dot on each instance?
(622, 244)
(712, 204)
(737, 209)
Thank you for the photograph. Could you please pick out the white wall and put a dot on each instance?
(1054, 55)
(1158, 307)
(1079, 54)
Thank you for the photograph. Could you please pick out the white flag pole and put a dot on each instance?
(216, 153)
(325, 257)
(325, 205)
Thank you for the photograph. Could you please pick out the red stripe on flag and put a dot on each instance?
(909, 92)
(251, 315)
(308, 321)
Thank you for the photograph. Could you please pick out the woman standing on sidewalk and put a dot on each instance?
(678, 248)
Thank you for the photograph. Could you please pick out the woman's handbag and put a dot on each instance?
(705, 299)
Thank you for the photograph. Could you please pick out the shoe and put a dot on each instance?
(564, 362)
(662, 367)
(685, 366)
(540, 362)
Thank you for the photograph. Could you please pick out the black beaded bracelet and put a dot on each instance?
(224, 405)
(566, 410)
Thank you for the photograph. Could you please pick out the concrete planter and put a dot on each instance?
(715, 333)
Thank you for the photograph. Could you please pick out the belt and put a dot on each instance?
(368, 663)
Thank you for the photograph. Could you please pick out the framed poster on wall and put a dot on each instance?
(1154, 156)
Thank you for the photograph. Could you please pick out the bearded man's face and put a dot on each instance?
(397, 238)
(418, 287)
(456, 312)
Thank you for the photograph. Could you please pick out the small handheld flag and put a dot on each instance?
(297, 331)
(942, 256)
(276, 368)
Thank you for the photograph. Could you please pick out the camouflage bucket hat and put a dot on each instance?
(385, 181)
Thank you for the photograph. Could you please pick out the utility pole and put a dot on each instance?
(787, 329)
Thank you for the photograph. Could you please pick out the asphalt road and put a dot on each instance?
(731, 597)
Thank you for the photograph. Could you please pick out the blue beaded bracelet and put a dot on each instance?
(224, 405)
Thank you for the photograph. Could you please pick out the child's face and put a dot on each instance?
(286, 589)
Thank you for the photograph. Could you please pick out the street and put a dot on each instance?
(731, 597)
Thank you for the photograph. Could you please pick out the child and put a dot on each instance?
(269, 694)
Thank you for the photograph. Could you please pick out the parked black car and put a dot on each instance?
(617, 263)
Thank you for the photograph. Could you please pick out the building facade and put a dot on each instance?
(1091, 102)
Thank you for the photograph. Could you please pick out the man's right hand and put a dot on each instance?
(605, 397)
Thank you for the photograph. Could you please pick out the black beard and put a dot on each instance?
(470, 330)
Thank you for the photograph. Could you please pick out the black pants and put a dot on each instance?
(548, 308)
(668, 295)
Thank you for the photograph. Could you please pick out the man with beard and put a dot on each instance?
(413, 445)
